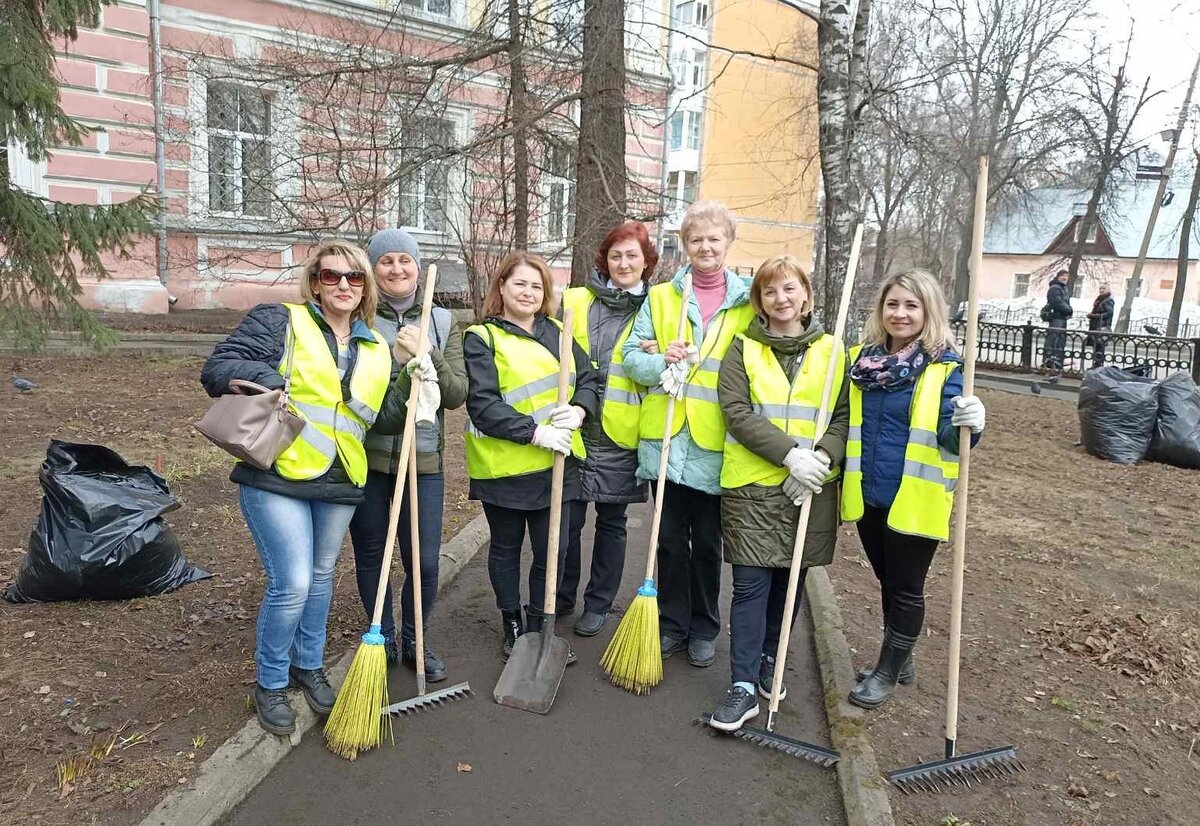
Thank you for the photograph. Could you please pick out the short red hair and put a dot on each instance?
(623, 232)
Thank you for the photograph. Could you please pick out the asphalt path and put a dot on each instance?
(601, 756)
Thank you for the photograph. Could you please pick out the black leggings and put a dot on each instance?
(901, 563)
(508, 529)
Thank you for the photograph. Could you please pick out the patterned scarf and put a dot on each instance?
(877, 369)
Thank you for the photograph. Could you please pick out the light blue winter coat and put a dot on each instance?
(689, 464)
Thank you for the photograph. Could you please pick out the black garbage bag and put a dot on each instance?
(101, 532)
(1176, 438)
(1117, 411)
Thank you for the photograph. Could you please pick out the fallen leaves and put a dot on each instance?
(465, 768)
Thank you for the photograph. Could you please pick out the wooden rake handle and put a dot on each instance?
(656, 521)
(566, 358)
(839, 331)
(970, 349)
(406, 447)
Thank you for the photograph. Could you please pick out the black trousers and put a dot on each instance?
(756, 617)
(1056, 344)
(689, 563)
(368, 533)
(508, 527)
(901, 563)
(608, 558)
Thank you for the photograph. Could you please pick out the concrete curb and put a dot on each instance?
(864, 791)
(247, 757)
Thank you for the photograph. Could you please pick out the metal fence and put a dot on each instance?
(1024, 347)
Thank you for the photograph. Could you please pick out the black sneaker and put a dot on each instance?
(766, 675)
(274, 712)
(315, 687)
(435, 669)
(738, 706)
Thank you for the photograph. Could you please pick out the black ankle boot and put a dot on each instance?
(875, 690)
(511, 627)
(907, 674)
(533, 620)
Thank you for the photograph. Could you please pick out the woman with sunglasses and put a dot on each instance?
(396, 266)
(516, 426)
(298, 510)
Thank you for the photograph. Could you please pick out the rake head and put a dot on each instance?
(423, 702)
(963, 771)
(788, 745)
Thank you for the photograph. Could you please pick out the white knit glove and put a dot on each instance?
(423, 366)
(807, 467)
(553, 438)
(969, 412)
(674, 379)
(797, 491)
(566, 416)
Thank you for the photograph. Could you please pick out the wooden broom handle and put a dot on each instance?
(406, 446)
(822, 424)
(970, 348)
(566, 358)
(414, 575)
(656, 521)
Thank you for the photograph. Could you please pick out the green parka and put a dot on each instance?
(758, 522)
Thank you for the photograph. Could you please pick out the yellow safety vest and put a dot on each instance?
(334, 427)
(790, 406)
(926, 496)
(528, 375)
(700, 408)
(622, 404)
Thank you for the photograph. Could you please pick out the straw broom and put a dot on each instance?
(633, 659)
(359, 718)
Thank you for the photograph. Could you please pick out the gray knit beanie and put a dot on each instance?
(392, 240)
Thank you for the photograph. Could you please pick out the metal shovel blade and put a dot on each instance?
(530, 679)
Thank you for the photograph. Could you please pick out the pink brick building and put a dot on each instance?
(262, 154)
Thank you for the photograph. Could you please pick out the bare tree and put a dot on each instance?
(1185, 237)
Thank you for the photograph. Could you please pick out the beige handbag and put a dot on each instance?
(252, 423)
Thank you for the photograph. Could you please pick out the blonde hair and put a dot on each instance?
(493, 302)
(779, 268)
(358, 260)
(708, 212)
(936, 334)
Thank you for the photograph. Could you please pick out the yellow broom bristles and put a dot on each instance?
(633, 659)
(358, 720)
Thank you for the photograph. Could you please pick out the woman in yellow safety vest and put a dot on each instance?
(516, 425)
(770, 385)
(906, 407)
(338, 371)
(689, 545)
(604, 309)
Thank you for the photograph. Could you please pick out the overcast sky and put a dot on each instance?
(1166, 37)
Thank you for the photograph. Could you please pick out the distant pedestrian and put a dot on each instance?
(1100, 322)
(1055, 313)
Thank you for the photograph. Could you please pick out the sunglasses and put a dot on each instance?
(331, 278)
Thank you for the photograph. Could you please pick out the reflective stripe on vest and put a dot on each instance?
(701, 408)
(528, 376)
(926, 496)
(790, 406)
(333, 428)
(621, 407)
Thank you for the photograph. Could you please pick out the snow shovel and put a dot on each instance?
(433, 699)
(535, 667)
(767, 737)
(961, 770)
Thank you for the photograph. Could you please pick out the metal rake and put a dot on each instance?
(423, 702)
(788, 745)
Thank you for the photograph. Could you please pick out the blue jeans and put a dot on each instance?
(368, 533)
(298, 541)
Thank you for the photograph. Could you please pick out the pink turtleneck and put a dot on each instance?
(709, 288)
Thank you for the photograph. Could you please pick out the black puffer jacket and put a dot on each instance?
(610, 472)
(254, 352)
(1058, 296)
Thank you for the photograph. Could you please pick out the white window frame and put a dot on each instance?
(564, 181)
(1020, 290)
(694, 129)
(26, 174)
(1077, 288)
(237, 138)
(1091, 239)
(449, 210)
(283, 140)
(677, 186)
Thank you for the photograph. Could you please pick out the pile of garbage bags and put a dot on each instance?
(1126, 417)
(101, 533)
